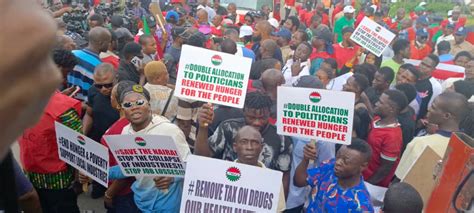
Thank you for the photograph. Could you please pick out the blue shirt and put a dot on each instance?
(326, 150)
(445, 58)
(150, 199)
(327, 196)
(83, 73)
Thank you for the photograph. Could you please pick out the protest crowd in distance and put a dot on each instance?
(210, 106)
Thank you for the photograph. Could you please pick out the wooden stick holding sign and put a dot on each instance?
(155, 9)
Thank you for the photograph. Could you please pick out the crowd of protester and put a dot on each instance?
(121, 81)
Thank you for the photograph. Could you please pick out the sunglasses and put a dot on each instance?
(107, 86)
(127, 105)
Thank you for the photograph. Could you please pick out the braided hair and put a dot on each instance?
(64, 58)
(257, 101)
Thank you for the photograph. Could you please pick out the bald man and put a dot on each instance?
(88, 58)
(65, 42)
(229, 46)
(248, 144)
(99, 112)
(262, 32)
(268, 49)
(161, 97)
(271, 79)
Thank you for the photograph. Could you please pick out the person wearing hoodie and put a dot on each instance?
(151, 194)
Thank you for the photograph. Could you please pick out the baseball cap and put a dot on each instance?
(461, 31)
(422, 20)
(151, 21)
(309, 81)
(422, 4)
(450, 13)
(284, 33)
(349, 9)
(178, 31)
(134, 89)
(419, 8)
(245, 31)
(326, 35)
(274, 23)
(421, 32)
(196, 39)
(347, 29)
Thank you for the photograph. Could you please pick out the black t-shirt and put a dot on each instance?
(362, 130)
(223, 113)
(128, 72)
(408, 124)
(425, 91)
(102, 113)
(373, 95)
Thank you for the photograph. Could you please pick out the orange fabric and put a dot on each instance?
(411, 34)
(419, 54)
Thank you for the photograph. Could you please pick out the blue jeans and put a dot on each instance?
(123, 204)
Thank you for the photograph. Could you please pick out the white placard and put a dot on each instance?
(86, 155)
(211, 76)
(316, 114)
(146, 155)
(213, 185)
(372, 36)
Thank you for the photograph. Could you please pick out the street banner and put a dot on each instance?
(315, 114)
(443, 71)
(372, 36)
(86, 155)
(213, 185)
(213, 77)
(146, 155)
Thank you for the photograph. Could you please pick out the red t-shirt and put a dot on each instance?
(460, 23)
(111, 60)
(336, 10)
(386, 142)
(116, 129)
(419, 54)
(342, 54)
(290, 3)
(411, 34)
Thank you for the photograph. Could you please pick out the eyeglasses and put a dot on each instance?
(127, 105)
(107, 86)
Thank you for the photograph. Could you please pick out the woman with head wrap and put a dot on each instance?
(151, 194)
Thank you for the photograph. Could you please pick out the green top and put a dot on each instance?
(340, 24)
(392, 64)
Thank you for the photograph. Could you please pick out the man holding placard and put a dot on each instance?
(277, 149)
(337, 185)
(152, 194)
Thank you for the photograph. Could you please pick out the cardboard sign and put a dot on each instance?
(372, 36)
(213, 185)
(420, 174)
(316, 114)
(146, 155)
(211, 76)
(89, 157)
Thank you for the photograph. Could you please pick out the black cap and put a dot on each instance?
(134, 89)
(116, 21)
(151, 21)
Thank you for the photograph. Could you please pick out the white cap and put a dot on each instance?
(374, 6)
(245, 31)
(274, 23)
(348, 9)
(450, 13)
(422, 4)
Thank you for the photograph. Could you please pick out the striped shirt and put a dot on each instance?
(83, 72)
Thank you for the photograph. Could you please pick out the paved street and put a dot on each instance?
(85, 202)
